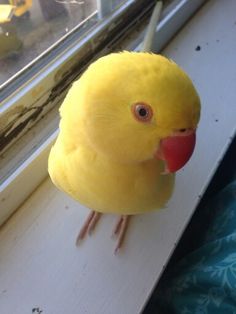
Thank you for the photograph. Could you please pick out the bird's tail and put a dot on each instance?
(148, 39)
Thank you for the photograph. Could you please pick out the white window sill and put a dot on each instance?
(40, 267)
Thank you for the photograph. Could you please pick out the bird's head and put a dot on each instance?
(133, 107)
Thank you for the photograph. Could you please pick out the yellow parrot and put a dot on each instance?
(126, 126)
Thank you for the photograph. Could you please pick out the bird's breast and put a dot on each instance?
(109, 187)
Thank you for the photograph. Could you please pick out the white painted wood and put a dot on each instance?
(39, 264)
(25, 179)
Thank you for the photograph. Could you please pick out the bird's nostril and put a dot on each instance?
(183, 131)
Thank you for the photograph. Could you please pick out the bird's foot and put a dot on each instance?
(88, 226)
(120, 230)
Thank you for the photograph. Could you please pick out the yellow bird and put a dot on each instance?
(126, 126)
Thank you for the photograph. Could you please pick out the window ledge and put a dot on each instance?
(40, 265)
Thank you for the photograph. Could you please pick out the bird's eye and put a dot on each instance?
(142, 112)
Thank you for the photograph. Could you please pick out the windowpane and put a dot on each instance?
(29, 27)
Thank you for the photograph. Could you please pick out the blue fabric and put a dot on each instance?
(204, 282)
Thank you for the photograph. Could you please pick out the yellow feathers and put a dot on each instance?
(104, 157)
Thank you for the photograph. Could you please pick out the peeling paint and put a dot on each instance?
(10, 115)
(37, 91)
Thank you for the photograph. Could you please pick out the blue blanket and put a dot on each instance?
(204, 281)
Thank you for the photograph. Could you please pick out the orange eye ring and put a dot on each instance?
(142, 112)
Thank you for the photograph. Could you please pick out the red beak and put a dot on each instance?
(176, 150)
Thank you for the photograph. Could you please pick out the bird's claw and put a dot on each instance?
(89, 226)
(119, 230)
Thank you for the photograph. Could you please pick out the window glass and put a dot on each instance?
(29, 27)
